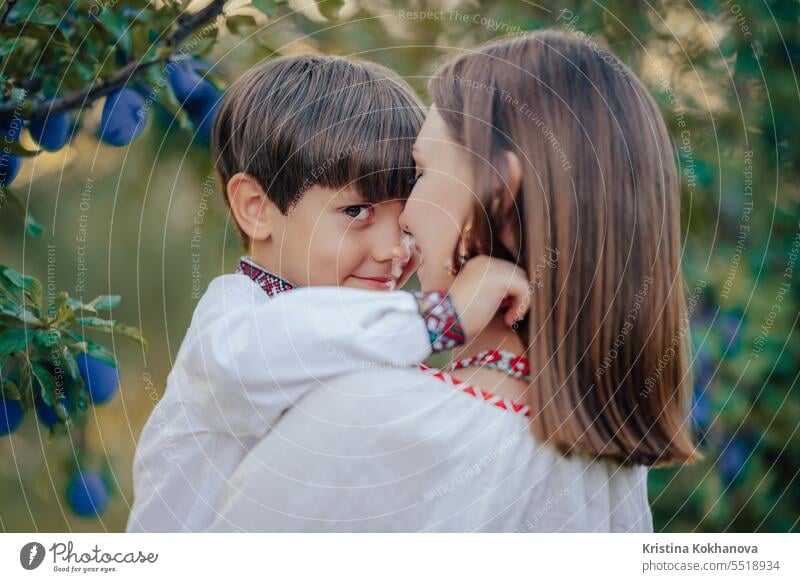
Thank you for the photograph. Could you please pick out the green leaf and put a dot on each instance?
(44, 33)
(133, 333)
(32, 227)
(71, 365)
(140, 40)
(99, 352)
(77, 393)
(238, 22)
(11, 391)
(30, 285)
(96, 323)
(17, 149)
(13, 340)
(25, 381)
(45, 15)
(106, 301)
(114, 22)
(59, 311)
(11, 279)
(19, 313)
(46, 338)
(142, 16)
(49, 389)
(268, 7)
(330, 8)
(166, 95)
(76, 305)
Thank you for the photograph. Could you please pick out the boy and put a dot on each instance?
(314, 157)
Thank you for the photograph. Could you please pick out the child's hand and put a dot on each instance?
(408, 270)
(483, 286)
(406, 261)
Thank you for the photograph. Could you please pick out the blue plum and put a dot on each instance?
(9, 163)
(124, 117)
(197, 94)
(51, 132)
(87, 493)
(11, 416)
(101, 379)
(47, 414)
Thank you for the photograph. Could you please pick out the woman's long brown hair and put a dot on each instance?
(597, 226)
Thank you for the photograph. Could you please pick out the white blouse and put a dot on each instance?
(398, 450)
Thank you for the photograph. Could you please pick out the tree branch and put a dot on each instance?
(185, 26)
(8, 8)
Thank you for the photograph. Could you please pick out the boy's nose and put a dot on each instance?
(388, 248)
(386, 241)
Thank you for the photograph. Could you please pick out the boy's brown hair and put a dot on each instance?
(299, 121)
(607, 331)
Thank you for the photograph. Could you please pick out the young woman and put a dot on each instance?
(545, 152)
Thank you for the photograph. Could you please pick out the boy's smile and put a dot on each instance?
(380, 283)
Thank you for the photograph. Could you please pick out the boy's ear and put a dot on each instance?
(251, 207)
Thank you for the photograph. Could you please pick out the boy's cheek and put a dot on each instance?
(339, 260)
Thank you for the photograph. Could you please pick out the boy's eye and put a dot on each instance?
(360, 212)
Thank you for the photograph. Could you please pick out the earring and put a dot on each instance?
(449, 266)
(451, 270)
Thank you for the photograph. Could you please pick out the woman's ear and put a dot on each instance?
(513, 176)
(251, 207)
(507, 183)
(504, 205)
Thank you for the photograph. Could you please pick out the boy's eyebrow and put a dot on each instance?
(349, 195)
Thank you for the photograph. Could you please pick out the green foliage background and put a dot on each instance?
(157, 231)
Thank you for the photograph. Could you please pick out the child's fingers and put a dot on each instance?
(408, 270)
(516, 312)
(512, 315)
(520, 296)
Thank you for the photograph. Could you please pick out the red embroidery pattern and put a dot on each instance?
(441, 319)
(475, 392)
(512, 364)
(271, 284)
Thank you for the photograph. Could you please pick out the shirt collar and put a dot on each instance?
(271, 284)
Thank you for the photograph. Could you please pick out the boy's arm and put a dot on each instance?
(260, 355)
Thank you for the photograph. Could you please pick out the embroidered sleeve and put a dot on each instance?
(441, 319)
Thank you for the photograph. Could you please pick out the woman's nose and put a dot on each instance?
(403, 221)
(403, 250)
